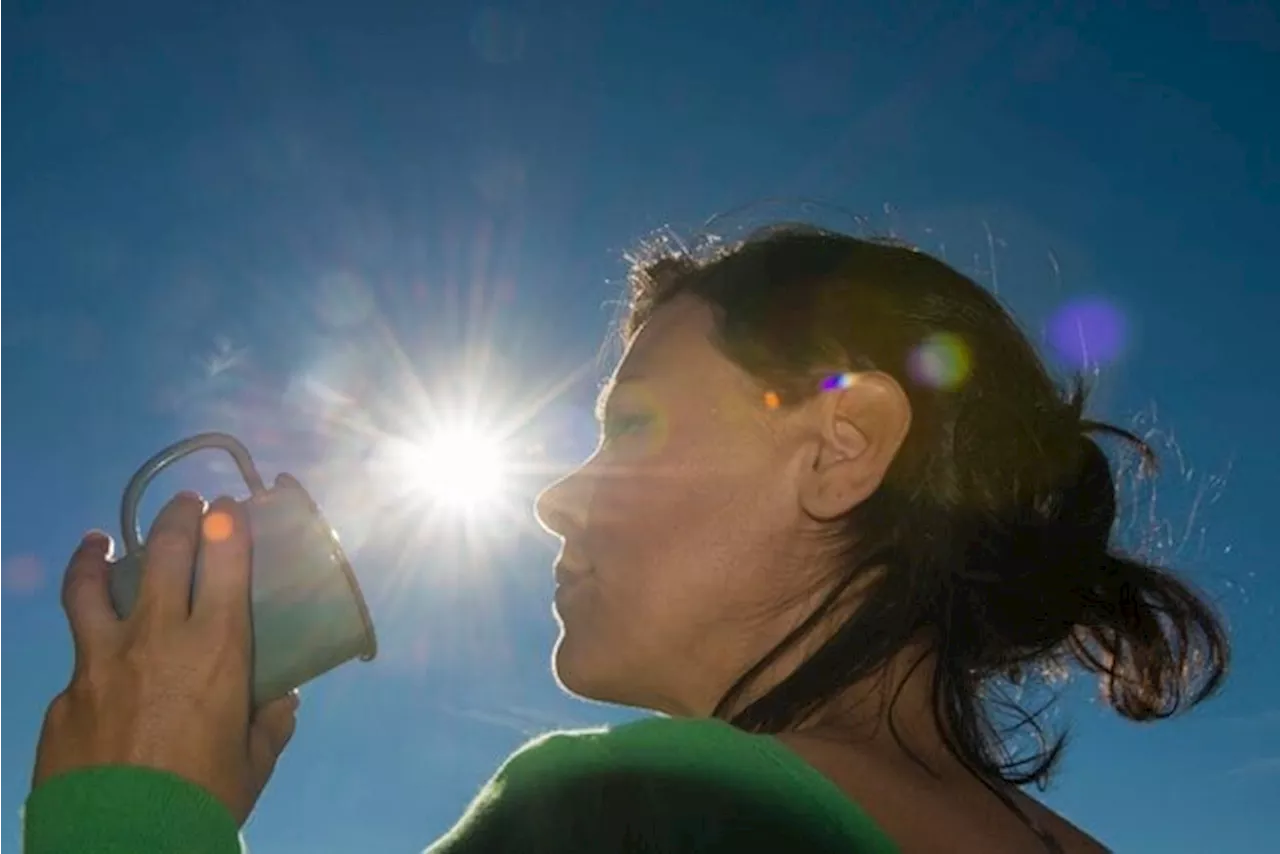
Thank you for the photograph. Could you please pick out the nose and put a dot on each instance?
(561, 508)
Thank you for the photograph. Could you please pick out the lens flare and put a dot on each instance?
(23, 574)
(1089, 331)
(218, 526)
(836, 382)
(942, 361)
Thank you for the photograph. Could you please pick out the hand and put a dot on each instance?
(169, 688)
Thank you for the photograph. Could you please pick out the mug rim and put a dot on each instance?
(369, 642)
(369, 648)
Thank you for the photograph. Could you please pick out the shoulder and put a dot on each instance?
(693, 750)
(651, 767)
(654, 785)
(695, 746)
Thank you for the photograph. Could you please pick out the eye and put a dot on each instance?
(624, 424)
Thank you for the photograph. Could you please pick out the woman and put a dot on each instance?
(837, 504)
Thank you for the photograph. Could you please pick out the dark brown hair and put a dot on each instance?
(993, 524)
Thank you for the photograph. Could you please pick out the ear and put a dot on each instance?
(857, 432)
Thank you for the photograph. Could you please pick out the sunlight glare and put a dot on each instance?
(459, 467)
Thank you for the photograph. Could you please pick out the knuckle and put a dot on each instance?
(139, 665)
(60, 707)
(171, 539)
(88, 683)
(137, 655)
(86, 686)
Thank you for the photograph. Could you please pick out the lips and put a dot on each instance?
(570, 588)
(567, 575)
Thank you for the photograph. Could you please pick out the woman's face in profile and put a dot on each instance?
(682, 532)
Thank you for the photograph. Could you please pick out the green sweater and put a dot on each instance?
(657, 785)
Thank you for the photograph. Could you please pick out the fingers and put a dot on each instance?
(222, 589)
(277, 720)
(287, 481)
(169, 559)
(85, 596)
(269, 734)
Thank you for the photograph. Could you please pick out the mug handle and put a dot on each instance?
(152, 467)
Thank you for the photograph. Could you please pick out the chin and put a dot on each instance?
(583, 672)
(569, 668)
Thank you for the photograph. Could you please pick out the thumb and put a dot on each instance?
(269, 734)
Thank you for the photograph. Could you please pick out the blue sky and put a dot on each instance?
(291, 220)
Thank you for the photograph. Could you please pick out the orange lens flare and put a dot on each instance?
(218, 526)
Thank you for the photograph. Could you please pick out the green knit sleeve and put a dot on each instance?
(121, 809)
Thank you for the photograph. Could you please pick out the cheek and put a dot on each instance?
(658, 502)
(678, 538)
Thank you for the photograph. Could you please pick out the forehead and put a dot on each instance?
(674, 342)
(675, 351)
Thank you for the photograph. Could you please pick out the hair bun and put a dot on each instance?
(1049, 557)
(1086, 505)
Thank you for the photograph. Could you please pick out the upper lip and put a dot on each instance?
(567, 574)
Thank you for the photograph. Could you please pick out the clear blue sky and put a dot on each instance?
(216, 211)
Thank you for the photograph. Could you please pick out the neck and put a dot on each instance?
(892, 710)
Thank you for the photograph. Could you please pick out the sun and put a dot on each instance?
(459, 467)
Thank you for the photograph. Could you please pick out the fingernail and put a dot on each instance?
(224, 502)
(295, 698)
(96, 540)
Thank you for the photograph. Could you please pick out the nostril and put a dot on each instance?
(554, 507)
